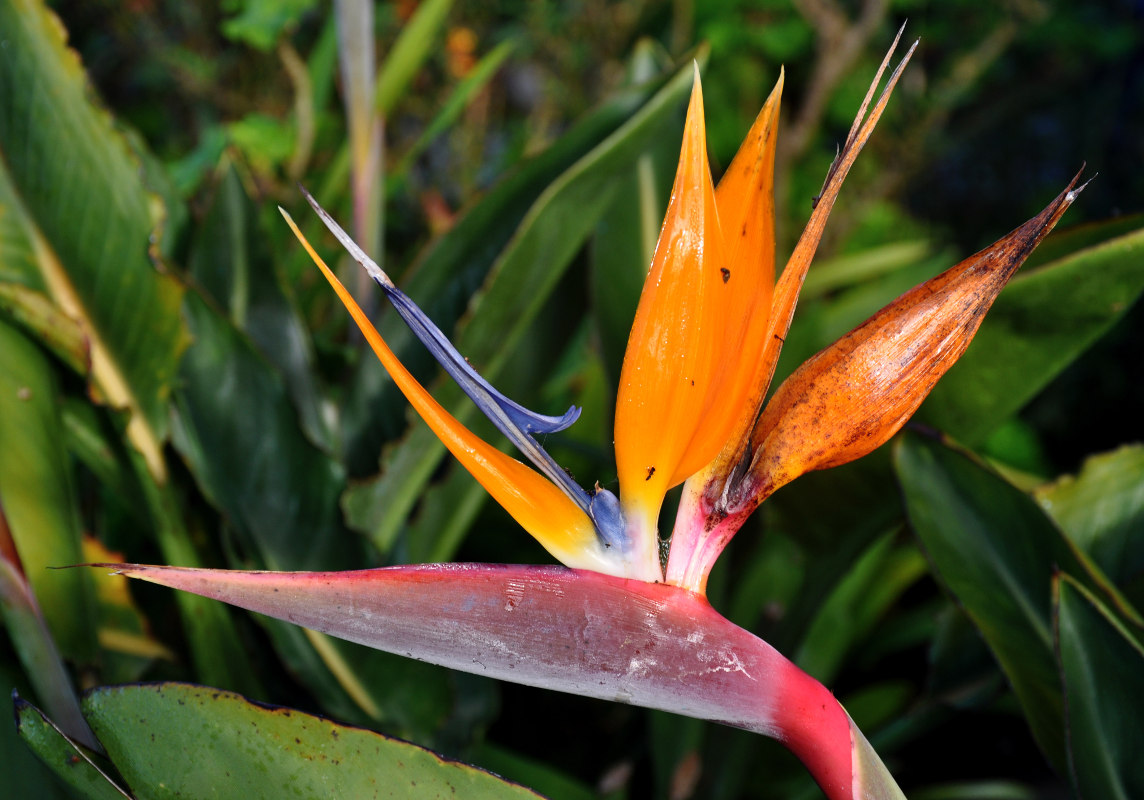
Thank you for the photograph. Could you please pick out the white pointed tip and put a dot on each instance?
(356, 253)
(1073, 194)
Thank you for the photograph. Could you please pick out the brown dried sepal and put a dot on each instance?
(853, 396)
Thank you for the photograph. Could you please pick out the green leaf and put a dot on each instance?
(1067, 241)
(231, 261)
(36, 494)
(831, 536)
(409, 52)
(240, 436)
(963, 672)
(522, 277)
(458, 100)
(25, 775)
(1102, 666)
(856, 269)
(215, 646)
(264, 141)
(997, 552)
(447, 511)
(1043, 321)
(877, 579)
(177, 740)
(412, 48)
(75, 765)
(44, 321)
(35, 648)
(92, 223)
(218, 654)
(1102, 510)
(259, 23)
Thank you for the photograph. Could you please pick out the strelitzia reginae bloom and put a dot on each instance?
(615, 622)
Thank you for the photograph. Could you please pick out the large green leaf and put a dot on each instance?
(231, 260)
(997, 553)
(1102, 510)
(241, 437)
(25, 775)
(176, 740)
(1102, 666)
(93, 223)
(1039, 325)
(45, 322)
(521, 279)
(36, 495)
(76, 766)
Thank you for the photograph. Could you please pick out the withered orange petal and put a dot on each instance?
(857, 393)
(671, 369)
(790, 282)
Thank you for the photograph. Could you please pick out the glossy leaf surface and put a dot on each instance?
(997, 552)
(1102, 667)
(178, 740)
(36, 492)
(93, 227)
(1102, 510)
(77, 767)
(230, 259)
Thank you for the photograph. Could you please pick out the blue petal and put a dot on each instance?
(512, 419)
(462, 372)
(604, 509)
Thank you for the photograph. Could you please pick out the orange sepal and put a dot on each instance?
(746, 203)
(672, 372)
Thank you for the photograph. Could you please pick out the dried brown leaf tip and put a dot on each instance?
(854, 395)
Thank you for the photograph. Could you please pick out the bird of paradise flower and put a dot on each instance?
(615, 622)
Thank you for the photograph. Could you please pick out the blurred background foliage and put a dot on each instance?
(525, 154)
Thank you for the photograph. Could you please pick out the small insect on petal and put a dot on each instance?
(854, 395)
